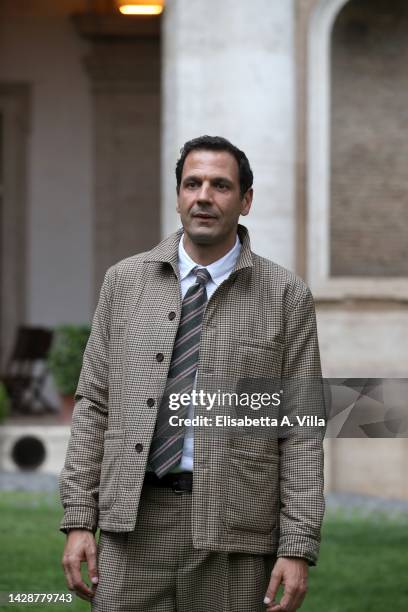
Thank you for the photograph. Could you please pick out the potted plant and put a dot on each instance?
(4, 403)
(65, 362)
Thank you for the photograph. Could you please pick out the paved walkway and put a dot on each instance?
(364, 505)
(28, 481)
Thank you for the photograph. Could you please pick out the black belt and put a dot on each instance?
(178, 482)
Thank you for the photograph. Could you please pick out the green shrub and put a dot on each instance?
(65, 357)
(4, 402)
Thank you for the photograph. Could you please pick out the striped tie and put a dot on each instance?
(167, 445)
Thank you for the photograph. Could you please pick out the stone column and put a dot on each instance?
(228, 69)
(124, 69)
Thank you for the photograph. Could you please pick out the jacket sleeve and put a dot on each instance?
(79, 479)
(301, 451)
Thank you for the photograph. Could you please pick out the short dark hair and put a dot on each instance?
(217, 143)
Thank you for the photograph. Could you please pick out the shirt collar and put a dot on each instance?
(167, 251)
(219, 269)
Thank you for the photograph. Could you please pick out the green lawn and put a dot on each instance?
(363, 564)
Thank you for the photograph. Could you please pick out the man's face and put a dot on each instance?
(209, 201)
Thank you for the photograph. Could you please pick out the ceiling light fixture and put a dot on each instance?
(140, 7)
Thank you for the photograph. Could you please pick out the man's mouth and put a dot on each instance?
(204, 216)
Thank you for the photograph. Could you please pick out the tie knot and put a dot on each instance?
(203, 275)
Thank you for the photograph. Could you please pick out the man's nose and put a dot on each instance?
(204, 193)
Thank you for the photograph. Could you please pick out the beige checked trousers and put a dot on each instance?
(156, 569)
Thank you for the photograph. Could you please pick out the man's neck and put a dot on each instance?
(204, 254)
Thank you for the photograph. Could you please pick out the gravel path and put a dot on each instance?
(28, 481)
(353, 503)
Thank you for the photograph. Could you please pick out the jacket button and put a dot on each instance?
(159, 357)
(139, 447)
(172, 315)
(150, 402)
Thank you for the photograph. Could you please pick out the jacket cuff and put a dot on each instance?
(299, 546)
(79, 517)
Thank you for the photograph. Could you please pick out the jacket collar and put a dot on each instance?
(167, 250)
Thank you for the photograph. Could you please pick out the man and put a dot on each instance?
(199, 521)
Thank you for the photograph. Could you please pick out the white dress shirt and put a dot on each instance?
(220, 271)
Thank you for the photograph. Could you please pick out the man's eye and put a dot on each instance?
(221, 186)
(190, 184)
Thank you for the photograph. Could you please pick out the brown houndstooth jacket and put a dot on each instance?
(250, 494)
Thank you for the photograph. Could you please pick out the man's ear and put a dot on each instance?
(177, 201)
(246, 202)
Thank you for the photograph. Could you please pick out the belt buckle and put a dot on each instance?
(175, 487)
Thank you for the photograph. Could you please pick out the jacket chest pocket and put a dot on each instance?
(255, 357)
(110, 470)
(252, 492)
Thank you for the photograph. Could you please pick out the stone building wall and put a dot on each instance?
(40, 50)
(92, 187)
